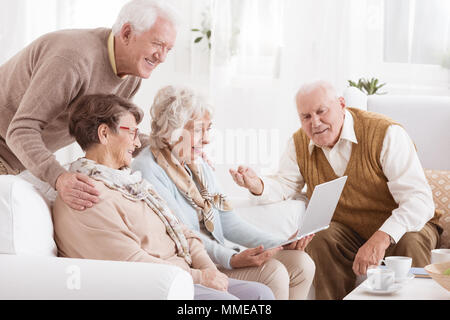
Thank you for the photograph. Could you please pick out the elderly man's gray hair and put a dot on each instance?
(142, 14)
(173, 107)
(325, 86)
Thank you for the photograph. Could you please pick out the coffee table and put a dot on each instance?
(414, 289)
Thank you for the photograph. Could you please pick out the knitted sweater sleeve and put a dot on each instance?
(53, 85)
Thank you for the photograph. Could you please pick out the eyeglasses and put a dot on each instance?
(134, 132)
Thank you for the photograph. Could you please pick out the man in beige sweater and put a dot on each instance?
(386, 207)
(40, 83)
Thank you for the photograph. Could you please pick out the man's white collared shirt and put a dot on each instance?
(400, 165)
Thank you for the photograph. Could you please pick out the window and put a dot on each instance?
(248, 37)
(259, 37)
(416, 46)
(417, 31)
(45, 16)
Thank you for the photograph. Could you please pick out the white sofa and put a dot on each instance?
(426, 119)
(29, 268)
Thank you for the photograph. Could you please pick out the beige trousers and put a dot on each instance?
(334, 250)
(289, 274)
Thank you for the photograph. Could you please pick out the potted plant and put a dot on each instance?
(369, 87)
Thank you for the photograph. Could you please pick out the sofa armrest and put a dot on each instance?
(31, 277)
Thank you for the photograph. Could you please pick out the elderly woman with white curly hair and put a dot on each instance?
(173, 164)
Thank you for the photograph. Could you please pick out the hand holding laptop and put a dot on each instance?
(320, 210)
(299, 244)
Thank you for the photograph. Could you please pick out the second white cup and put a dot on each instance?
(400, 265)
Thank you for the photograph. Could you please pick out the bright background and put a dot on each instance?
(262, 51)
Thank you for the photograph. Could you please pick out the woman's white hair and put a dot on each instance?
(142, 14)
(173, 107)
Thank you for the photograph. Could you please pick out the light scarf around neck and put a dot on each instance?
(194, 189)
(135, 188)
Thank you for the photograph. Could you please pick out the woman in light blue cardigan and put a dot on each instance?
(173, 164)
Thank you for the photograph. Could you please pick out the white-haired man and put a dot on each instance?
(386, 207)
(41, 82)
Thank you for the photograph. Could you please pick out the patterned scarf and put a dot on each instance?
(134, 188)
(194, 189)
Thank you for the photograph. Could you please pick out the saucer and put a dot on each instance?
(405, 279)
(393, 288)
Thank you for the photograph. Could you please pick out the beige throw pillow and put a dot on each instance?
(439, 181)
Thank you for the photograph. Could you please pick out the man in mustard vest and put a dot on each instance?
(386, 207)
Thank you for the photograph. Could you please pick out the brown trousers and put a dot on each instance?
(334, 249)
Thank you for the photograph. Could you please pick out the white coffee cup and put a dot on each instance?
(440, 255)
(400, 265)
(380, 279)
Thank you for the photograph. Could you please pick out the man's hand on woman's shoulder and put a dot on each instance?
(77, 190)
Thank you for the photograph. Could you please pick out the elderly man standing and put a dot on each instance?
(41, 82)
(386, 207)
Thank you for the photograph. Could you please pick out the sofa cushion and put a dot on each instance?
(425, 118)
(439, 181)
(26, 226)
(355, 98)
(45, 189)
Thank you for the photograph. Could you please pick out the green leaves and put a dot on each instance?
(206, 34)
(369, 87)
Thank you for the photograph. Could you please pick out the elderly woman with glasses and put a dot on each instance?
(131, 222)
(173, 163)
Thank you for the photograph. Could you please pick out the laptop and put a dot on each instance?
(320, 209)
